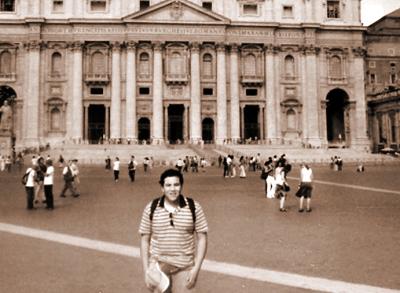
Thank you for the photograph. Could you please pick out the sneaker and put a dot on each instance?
(309, 210)
(283, 210)
(301, 210)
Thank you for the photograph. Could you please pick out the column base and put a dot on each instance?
(196, 140)
(361, 144)
(221, 141)
(314, 143)
(157, 141)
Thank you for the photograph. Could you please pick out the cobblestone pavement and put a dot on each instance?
(352, 234)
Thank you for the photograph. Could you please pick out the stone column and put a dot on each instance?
(234, 83)
(157, 123)
(131, 92)
(360, 133)
(221, 95)
(165, 121)
(185, 124)
(242, 122)
(303, 78)
(270, 95)
(32, 99)
(116, 91)
(77, 90)
(195, 102)
(86, 123)
(324, 134)
(313, 106)
(107, 122)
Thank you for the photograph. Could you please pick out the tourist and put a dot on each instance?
(30, 175)
(48, 184)
(179, 165)
(2, 163)
(132, 164)
(8, 164)
(146, 162)
(108, 163)
(69, 178)
(242, 167)
(116, 169)
(60, 161)
(39, 192)
(305, 187)
(173, 233)
(270, 179)
(281, 185)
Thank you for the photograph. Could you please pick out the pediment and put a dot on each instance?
(176, 11)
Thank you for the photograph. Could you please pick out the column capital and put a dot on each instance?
(195, 47)
(157, 46)
(76, 46)
(221, 47)
(34, 45)
(234, 47)
(359, 51)
(131, 45)
(272, 49)
(116, 46)
(311, 50)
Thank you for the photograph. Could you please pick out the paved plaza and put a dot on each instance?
(348, 243)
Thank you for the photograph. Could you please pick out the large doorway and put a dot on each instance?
(144, 129)
(175, 123)
(337, 123)
(251, 122)
(96, 123)
(208, 130)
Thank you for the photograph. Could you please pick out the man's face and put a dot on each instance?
(172, 188)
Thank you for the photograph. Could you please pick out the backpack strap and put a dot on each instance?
(192, 208)
(153, 207)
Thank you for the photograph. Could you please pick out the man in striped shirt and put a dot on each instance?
(173, 233)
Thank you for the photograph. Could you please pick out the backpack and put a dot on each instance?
(190, 201)
(68, 177)
(24, 178)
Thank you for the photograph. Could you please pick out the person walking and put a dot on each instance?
(270, 180)
(280, 181)
(132, 168)
(39, 193)
(108, 163)
(116, 169)
(48, 184)
(173, 232)
(305, 187)
(242, 167)
(69, 178)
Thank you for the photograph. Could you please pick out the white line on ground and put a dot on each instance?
(257, 274)
(352, 186)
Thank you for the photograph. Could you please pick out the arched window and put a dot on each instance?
(289, 66)
(207, 65)
(176, 63)
(335, 67)
(250, 65)
(5, 62)
(291, 119)
(98, 64)
(56, 63)
(55, 119)
(144, 63)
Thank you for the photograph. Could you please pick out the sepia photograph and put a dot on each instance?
(209, 146)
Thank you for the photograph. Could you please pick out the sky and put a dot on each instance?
(372, 10)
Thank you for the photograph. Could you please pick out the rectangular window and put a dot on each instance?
(144, 91)
(372, 78)
(144, 4)
(208, 91)
(371, 64)
(58, 6)
(288, 11)
(250, 9)
(96, 91)
(7, 5)
(98, 5)
(333, 10)
(251, 92)
(207, 5)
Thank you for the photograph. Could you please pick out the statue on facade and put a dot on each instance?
(6, 117)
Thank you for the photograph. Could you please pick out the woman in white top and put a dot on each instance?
(116, 169)
(48, 184)
(30, 186)
(305, 189)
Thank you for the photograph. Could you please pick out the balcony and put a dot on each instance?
(97, 78)
(252, 80)
(176, 78)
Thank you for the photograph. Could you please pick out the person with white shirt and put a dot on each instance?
(305, 187)
(30, 174)
(116, 169)
(48, 184)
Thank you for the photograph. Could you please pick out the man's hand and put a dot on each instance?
(191, 278)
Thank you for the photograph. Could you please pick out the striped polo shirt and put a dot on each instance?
(175, 244)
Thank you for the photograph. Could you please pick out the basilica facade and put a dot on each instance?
(226, 71)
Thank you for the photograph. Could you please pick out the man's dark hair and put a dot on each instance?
(171, 173)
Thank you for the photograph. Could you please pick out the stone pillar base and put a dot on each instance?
(5, 143)
(361, 144)
(314, 142)
(195, 140)
(157, 141)
(220, 141)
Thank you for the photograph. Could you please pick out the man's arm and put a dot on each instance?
(144, 254)
(201, 249)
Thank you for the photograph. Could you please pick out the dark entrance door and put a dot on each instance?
(336, 122)
(251, 123)
(175, 123)
(208, 130)
(144, 129)
(96, 123)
